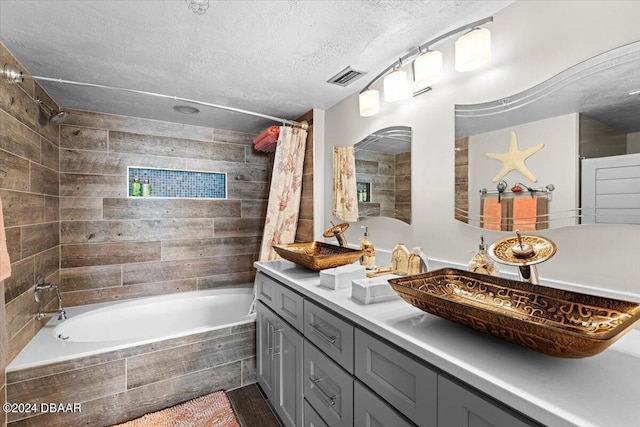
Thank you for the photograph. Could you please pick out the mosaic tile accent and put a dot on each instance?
(170, 183)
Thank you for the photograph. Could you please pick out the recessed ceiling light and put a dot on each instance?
(186, 109)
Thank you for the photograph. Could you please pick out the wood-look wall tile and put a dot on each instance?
(122, 142)
(40, 237)
(84, 278)
(247, 190)
(14, 243)
(80, 208)
(306, 208)
(222, 135)
(98, 162)
(257, 157)
(80, 385)
(19, 139)
(81, 185)
(51, 208)
(236, 227)
(170, 363)
(134, 230)
(21, 339)
(81, 138)
(17, 172)
(139, 207)
(47, 262)
(118, 293)
(304, 232)
(44, 180)
(138, 125)
(205, 248)
(227, 279)
(22, 279)
(82, 255)
(307, 187)
(50, 157)
(135, 403)
(174, 270)
(249, 375)
(45, 129)
(403, 182)
(403, 168)
(367, 167)
(254, 208)
(235, 171)
(20, 311)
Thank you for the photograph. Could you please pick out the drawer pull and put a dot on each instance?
(316, 329)
(327, 396)
(279, 346)
(269, 344)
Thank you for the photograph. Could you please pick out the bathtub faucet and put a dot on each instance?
(42, 287)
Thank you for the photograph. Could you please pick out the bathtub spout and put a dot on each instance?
(62, 315)
(40, 287)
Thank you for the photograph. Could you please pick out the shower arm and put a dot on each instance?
(13, 76)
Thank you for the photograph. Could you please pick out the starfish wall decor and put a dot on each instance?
(514, 159)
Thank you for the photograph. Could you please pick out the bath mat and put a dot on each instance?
(212, 410)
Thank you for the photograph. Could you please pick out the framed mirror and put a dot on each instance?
(562, 153)
(383, 174)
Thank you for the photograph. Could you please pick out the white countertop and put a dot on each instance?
(602, 390)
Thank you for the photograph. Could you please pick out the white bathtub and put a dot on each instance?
(97, 328)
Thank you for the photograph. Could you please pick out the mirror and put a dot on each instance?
(383, 174)
(588, 168)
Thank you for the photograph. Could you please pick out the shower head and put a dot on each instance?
(55, 118)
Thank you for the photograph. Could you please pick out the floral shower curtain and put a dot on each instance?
(345, 191)
(284, 195)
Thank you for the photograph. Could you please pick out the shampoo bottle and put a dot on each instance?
(368, 257)
(146, 187)
(135, 187)
(481, 263)
(400, 259)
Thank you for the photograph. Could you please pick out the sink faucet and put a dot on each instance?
(337, 232)
(46, 287)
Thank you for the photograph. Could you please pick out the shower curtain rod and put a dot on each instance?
(176, 98)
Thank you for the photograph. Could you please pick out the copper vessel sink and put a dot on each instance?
(548, 320)
(317, 255)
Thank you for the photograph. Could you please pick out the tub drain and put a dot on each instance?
(62, 337)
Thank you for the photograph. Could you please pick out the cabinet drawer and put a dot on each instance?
(289, 305)
(330, 334)
(266, 289)
(459, 407)
(327, 387)
(311, 417)
(407, 385)
(371, 411)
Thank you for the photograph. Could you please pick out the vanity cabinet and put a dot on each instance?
(279, 364)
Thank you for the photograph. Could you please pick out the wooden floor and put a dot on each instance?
(251, 407)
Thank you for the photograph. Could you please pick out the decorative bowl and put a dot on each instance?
(317, 255)
(548, 320)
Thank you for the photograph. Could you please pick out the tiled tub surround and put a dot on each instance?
(116, 380)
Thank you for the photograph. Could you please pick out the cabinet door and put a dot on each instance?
(264, 349)
(459, 407)
(330, 334)
(328, 388)
(407, 385)
(288, 344)
(311, 417)
(369, 410)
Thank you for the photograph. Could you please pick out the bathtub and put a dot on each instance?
(99, 328)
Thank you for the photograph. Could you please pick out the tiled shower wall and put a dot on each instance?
(115, 247)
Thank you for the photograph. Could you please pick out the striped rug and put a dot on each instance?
(212, 410)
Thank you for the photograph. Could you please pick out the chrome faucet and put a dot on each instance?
(42, 287)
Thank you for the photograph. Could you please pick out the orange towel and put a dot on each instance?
(266, 140)
(525, 211)
(491, 214)
(5, 263)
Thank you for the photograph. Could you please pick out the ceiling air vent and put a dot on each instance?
(346, 77)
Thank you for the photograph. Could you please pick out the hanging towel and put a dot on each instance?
(5, 263)
(525, 211)
(491, 214)
(345, 189)
(267, 139)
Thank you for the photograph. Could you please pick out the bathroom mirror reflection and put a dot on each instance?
(383, 174)
(582, 130)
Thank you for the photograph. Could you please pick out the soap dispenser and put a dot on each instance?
(416, 258)
(481, 263)
(368, 257)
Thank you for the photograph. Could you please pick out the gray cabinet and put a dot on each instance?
(369, 410)
(279, 370)
(459, 407)
(311, 417)
(330, 334)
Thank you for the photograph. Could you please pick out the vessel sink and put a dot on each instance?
(317, 255)
(548, 320)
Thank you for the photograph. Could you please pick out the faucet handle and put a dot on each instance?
(39, 281)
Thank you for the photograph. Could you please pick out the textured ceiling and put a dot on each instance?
(272, 57)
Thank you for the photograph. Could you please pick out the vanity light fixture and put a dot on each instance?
(473, 50)
(637, 92)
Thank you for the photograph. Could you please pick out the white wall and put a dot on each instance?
(532, 41)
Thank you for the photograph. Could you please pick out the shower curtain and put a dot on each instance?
(345, 191)
(284, 196)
